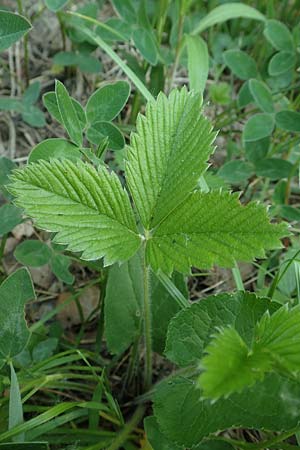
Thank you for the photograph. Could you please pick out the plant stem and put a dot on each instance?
(25, 47)
(178, 48)
(128, 428)
(147, 323)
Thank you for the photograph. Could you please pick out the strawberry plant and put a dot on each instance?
(123, 330)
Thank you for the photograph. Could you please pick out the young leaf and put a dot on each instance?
(13, 27)
(240, 367)
(68, 113)
(15, 291)
(198, 62)
(217, 224)
(241, 64)
(276, 345)
(107, 102)
(278, 35)
(167, 155)
(88, 209)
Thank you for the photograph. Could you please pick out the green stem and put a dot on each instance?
(2, 245)
(178, 48)
(128, 428)
(238, 277)
(147, 323)
(25, 46)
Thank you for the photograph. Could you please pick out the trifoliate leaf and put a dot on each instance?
(212, 228)
(88, 208)
(168, 154)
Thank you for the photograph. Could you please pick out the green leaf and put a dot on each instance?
(107, 102)
(262, 95)
(6, 166)
(236, 172)
(155, 437)
(44, 349)
(126, 10)
(10, 216)
(10, 104)
(258, 407)
(275, 346)
(167, 154)
(25, 446)
(191, 330)
(288, 120)
(281, 63)
(198, 62)
(278, 35)
(220, 93)
(60, 267)
(257, 150)
(33, 253)
(15, 416)
(55, 5)
(13, 27)
(88, 208)
(227, 12)
(217, 224)
(244, 95)
(86, 63)
(15, 291)
(123, 308)
(68, 113)
(145, 42)
(54, 148)
(258, 127)
(273, 168)
(32, 93)
(240, 63)
(50, 102)
(33, 116)
(164, 308)
(241, 367)
(100, 130)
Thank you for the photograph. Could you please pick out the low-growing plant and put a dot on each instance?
(171, 224)
(143, 216)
